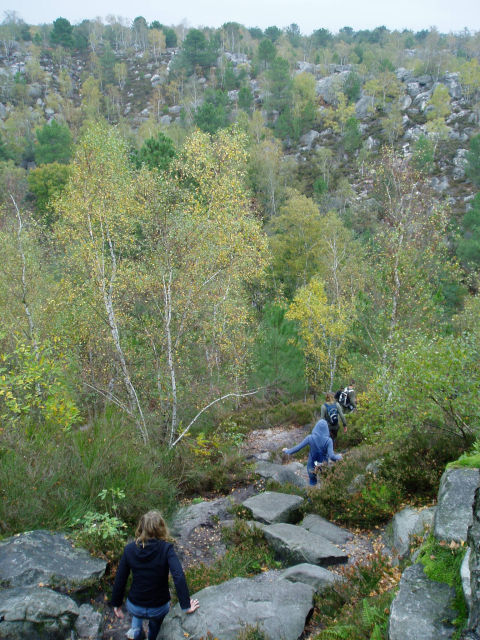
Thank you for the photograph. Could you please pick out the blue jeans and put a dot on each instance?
(154, 615)
(312, 477)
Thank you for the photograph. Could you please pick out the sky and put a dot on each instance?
(446, 15)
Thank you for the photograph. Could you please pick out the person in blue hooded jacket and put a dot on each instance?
(321, 449)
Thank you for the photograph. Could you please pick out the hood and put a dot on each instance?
(151, 548)
(320, 434)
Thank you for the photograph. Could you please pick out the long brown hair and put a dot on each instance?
(151, 525)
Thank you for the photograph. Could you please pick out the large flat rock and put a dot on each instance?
(48, 558)
(454, 513)
(278, 607)
(270, 507)
(296, 545)
(36, 613)
(322, 527)
(421, 609)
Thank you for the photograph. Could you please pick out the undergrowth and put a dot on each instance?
(442, 562)
(248, 554)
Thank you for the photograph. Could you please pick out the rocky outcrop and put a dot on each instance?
(270, 507)
(277, 607)
(195, 515)
(47, 558)
(454, 513)
(421, 609)
(35, 613)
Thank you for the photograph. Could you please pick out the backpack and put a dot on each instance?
(342, 397)
(332, 414)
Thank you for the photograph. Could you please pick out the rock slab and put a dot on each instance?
(283, 474)
(421, 609)
(36, 613)
(48, 558)
(322, 527)
(277, 607)
(317, 577)
(270, 507)
(296, 545)
(454, 513)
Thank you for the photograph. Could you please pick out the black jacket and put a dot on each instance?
(150, 565)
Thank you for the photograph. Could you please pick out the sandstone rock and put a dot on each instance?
(440, 184)
(454, 511)
(189, 518)
(364, 107)
(413, 89)
(421, 609)
(89, 623)
(36, 613)
(175, 110)
(308, 139)
(297, 545)
(317, 577)
(322, 527)
(405, 524)
(466, 579)
(327, 88)
(270, 507)
(277, 607)
(42, 556)
(405, 102)
(282, 473)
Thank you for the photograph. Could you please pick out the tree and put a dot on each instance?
(468, 247)
(321, 38)
(293, 34)
(157, 152)
(472, 170)
(212, 114)
(266, 52)
(54, 144)
(62, 33)
(203, 245)
(197, 51)
(170, 37)
(273, 33)
(47, 182)
(98, 215)
(324, 329)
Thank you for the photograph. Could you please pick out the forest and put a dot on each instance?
(203, 231)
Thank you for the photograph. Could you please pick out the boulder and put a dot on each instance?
(317, 577)
(421, 610)
(322, 527)
(327, 88)
(282, 473)
(189, 518)
(460, 162)
(270, 507)
(474, 566)
(439, 184)
(48, 558)
(454, 512)
(421, 100)
(305, 67)
(297, 545)
(35, 613)
(405, 102)
(279, 608)
(364, 107)
(403, 74)
(308, 139)
(413, 89)
(406, 523)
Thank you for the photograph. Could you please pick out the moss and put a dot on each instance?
(466, 460)
(442, 563)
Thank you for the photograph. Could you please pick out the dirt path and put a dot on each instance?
(205, 543)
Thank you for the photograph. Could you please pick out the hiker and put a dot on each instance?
(150, 558)
(346, 397)
(331, 411)
(321, 450)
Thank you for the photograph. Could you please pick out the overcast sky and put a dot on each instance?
(446, 15)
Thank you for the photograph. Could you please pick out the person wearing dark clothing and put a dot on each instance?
(150, 559)
(347, 397)
(321, 449)
(331, 411)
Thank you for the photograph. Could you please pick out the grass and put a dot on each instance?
(247, 555)
(442, 562)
